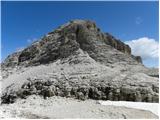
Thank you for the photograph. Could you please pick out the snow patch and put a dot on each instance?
(153, 107)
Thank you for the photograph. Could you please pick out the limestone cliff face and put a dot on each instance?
(117, 44)
(67, 39)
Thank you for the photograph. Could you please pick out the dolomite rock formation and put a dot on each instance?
(66, 40)
(78, 60)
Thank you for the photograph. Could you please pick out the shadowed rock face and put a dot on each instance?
(67, 39)
(99, 90)
(97, 66)
(117, 44)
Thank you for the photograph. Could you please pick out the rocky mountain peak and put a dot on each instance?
(67, 39)
(78, 60)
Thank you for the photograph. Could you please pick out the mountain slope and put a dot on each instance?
(78, 60)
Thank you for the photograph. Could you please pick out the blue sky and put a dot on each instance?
(23, 22)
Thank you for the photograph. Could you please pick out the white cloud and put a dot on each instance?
(145, 47)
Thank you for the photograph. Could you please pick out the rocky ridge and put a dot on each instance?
(78, 60)
(67, 39)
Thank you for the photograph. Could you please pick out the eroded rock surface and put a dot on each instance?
(67, 39)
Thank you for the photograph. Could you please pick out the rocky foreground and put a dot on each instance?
(77, 60)
(35, 107)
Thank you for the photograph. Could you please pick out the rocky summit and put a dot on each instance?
(78, 60)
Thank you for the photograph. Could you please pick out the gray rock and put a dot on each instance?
(64, 41)
(92, 65)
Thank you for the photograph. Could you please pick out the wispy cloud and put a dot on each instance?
(145, 47)
(19, 49)
(31, 40)
(138, 20)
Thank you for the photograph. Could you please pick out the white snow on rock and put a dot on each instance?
(153, 107)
